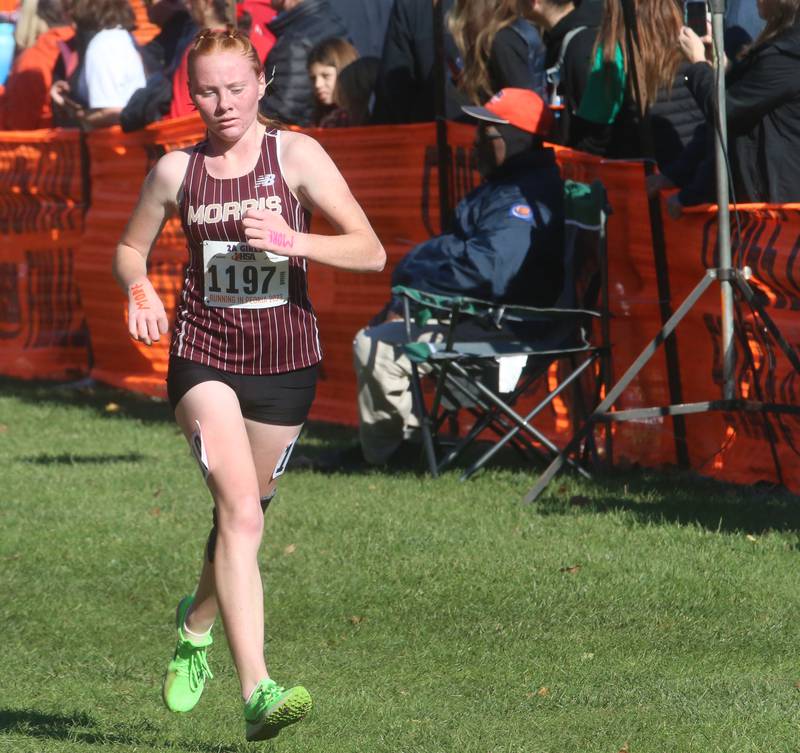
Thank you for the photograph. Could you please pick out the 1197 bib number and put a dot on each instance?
(240, 276)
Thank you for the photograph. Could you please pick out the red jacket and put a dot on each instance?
(25, 104)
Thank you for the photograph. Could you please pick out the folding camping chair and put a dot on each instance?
(489, 355)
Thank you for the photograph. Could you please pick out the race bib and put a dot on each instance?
(242, 277)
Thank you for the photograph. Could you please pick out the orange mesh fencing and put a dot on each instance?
(393, 173)
(120, 162)
(53, 273)
(741, 447)
(42, 328)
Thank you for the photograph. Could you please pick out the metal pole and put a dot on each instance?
(723, 197)
(440, 93)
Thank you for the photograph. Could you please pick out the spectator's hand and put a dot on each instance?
(692, 46)
(657, 182)
(147, 320)
(58, 91)
(268, 231)
(674, 207)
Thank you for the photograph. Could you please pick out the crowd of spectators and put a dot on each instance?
(334, 63)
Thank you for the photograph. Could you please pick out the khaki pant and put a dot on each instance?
(385, 406)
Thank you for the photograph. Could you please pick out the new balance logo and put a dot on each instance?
(265, 180)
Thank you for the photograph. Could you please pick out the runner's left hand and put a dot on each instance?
(268, 231)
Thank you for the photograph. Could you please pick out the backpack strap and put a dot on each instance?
(536, 54)
(554, 72)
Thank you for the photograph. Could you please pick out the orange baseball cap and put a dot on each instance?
(521, 108)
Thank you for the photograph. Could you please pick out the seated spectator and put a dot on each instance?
(762, 100)
(499, 47)
(506, 247)
(570, 29)
(25, 104)
(325, 60)
(405, 89)
(299, 25)
(206, 14)
(608, 121)
(366, 22)
(109, 68)
(353, 94)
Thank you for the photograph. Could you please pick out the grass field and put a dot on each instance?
(646, 612)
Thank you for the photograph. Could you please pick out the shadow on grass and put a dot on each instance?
(109, 402)
(682, 498)
(82, 728)
(67, 458)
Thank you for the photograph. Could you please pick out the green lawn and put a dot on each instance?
(647, 612)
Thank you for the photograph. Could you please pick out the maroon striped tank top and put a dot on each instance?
(242, 340)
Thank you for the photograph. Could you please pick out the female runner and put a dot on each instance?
(245, 347)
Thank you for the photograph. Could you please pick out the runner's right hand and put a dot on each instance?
(147, 320)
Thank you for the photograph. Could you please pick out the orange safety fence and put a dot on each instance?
(393, 173)
(42, 327)
(119, 163)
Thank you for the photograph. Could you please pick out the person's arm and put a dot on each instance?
(99, 118)
(147, 320)
(755, 87)
(315, 179)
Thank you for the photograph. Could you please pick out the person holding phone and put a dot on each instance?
(245, 347)
(696, 16)
(762, 102)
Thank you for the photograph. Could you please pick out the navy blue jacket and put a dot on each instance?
(507, 243)
(290, 98)
(366, 22)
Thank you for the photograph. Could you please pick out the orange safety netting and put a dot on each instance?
(57, 281)
(42, 326)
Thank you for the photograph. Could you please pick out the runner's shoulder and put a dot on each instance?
(166, 177)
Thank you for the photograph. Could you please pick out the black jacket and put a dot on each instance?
(366, 22)
(763, 109)
(577, 60)
(405, 88)
(674, 120)
(510, 61)
(290, 98)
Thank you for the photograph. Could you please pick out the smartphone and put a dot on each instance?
(694, 16)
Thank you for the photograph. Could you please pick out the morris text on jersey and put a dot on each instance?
(209, 214)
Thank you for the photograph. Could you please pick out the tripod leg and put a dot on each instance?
(612, 397)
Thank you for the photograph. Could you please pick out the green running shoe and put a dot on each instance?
(188, 671)
(271, 708)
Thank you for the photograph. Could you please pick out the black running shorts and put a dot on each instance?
(282, 399)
